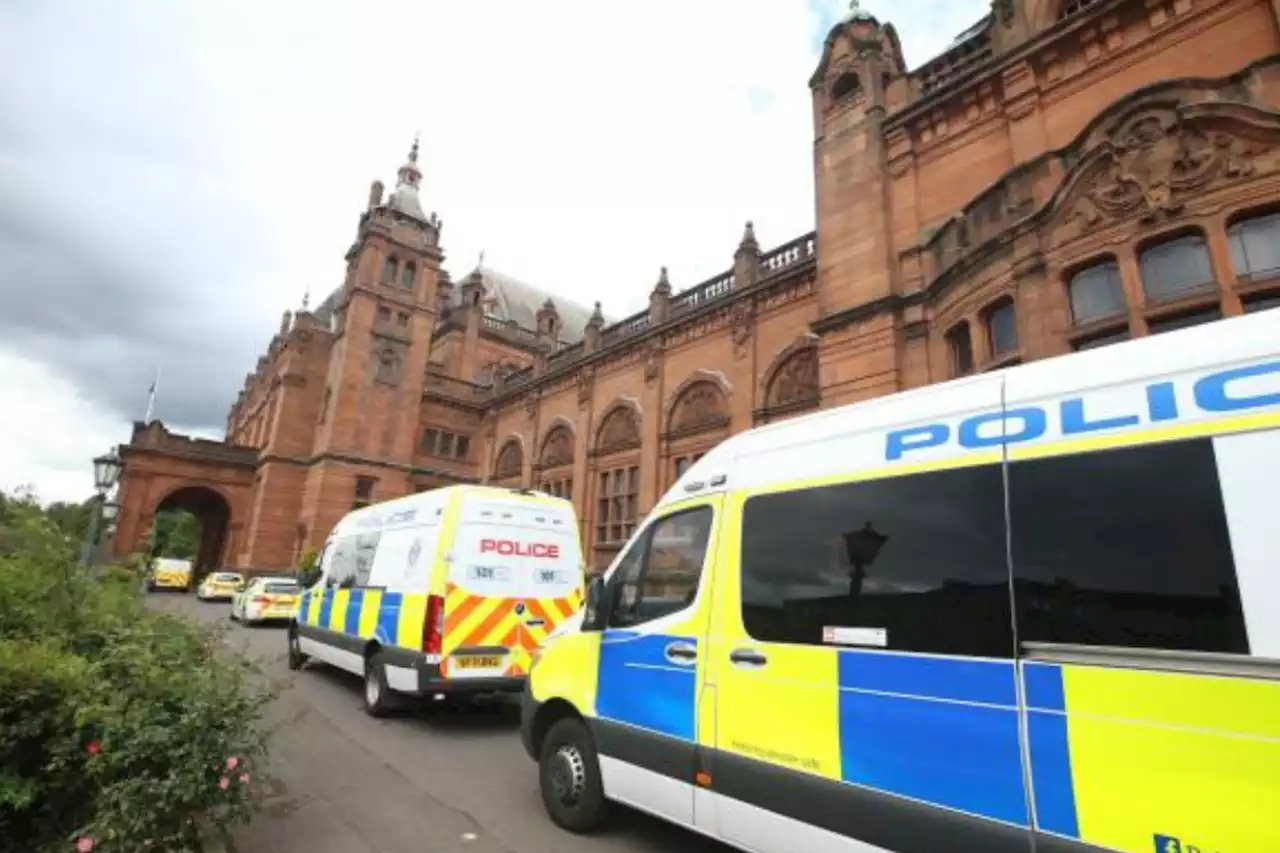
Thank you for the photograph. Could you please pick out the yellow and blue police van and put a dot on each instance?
(444, 594)
(1036, 609)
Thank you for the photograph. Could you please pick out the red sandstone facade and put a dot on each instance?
(1070, 173)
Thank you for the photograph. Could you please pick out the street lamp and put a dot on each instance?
(106, 471)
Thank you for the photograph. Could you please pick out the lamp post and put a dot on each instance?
(106, 470)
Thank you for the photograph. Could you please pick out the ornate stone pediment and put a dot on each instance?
(698, 407)
(620, 430)
(795, 382)
(510, 462)
(557, 449)
(1159, 158)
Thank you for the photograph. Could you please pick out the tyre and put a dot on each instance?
(569, 778)
(378, 699)
(296, 658)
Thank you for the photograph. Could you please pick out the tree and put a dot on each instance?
(176, 533)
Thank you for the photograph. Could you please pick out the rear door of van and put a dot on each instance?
(515, 573)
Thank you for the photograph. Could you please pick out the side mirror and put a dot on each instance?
(240, 586)
(596, 612)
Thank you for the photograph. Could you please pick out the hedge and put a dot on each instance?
(121, 729)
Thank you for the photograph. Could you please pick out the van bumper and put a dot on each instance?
(528, 712)
(431, 682)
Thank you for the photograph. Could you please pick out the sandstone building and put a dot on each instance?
(1067, 174)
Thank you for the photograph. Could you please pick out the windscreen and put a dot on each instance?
(516, 549)
(226, 576)
(282, 589)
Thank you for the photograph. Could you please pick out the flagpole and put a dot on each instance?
(151, 398)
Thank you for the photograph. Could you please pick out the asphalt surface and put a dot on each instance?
(423, 781)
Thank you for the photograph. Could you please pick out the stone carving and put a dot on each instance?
(510, 461)
(531, 405)
(387, 367)
(619, 430)
(557, 450)
(1157, 161)
(796, 381)
(740, 323)
(652, 363)
(583, 381)
(701, 406)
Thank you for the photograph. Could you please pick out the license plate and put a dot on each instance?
(478, 662)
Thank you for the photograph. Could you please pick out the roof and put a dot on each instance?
(1110, 383)
(520, 302)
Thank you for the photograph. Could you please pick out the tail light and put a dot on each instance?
(433, 627)
(259, 599)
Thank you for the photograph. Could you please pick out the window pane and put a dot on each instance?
(464, 446)
(389, 269)
(1096, 293)
(366, 546)
(1096, 341)
(406, 275)
(1183, 321)
(1255, 247)
(1261, 303)
(961, 349)
(341, 571)
(668, 579)
(682, 465)
(1175, 269)
(1125, 548)
(446, 444)
(1003, 326)
(920, 558)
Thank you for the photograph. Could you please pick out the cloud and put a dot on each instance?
(174, 176)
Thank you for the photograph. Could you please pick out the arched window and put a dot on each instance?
(1096, 293)
(389, 270)
(1072, 7)
(1255, 247)
(961, 347)
(846, 84)
(701, 406)
(407, 272)
(1002, 328)
(1175, 268)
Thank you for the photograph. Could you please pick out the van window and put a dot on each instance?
(659, 574)
(341, 571)
(366, 546)
(915, 563)
(1126, 547)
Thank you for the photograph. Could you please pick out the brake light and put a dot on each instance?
(433, 626)
(260, 599)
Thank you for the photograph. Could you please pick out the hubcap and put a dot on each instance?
(371, 688)
(568, 775)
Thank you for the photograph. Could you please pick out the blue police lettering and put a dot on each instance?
(1214, 392)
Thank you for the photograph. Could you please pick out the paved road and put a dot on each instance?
(422, 782)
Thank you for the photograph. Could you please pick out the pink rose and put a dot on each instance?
(224, 783)
(244, 778)
(84, 845)
(233, 763)
(93, 748)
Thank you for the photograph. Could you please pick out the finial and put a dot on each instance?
(664, 284)
(306, 299)
(749, 237)
(480, 263)
(857, 13)
(413, 152)
(597, 316)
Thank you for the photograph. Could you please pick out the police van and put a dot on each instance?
(443, 594)
(1031, 610)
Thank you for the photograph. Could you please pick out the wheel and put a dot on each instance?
(569, 777)
(378, 701)
(296, 658)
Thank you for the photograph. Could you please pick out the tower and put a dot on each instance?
(861, 60)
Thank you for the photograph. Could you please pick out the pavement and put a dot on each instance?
(420, 782)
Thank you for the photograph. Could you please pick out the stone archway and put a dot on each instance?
(213, 512)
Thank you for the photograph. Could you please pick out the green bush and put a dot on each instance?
(121, 729)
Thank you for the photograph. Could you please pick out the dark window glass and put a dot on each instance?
(402, 320)
(364, 492)
(366, 545)
(1002, 329)
(1255, 247)
(660, 573)
(384, 314)
(1176, 268)
(1125, 548)
(464, 446)
(1184, 321)
(407, 272)
(1261, 302)
(282, 589)
(389, 270)
(446, 444)
(1095, 341)
(921, 558)
(961, 350)
(1096, 293)
(429, 439)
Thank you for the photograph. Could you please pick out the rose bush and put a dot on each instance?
(121, 729)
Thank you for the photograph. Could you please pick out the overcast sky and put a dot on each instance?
(174, 175)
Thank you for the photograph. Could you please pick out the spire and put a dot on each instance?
(664, 284)
(857, 13)
(748, 242)
(404, 198)
(306, 299)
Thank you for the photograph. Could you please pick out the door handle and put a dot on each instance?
(747, 657)
(681, 652)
